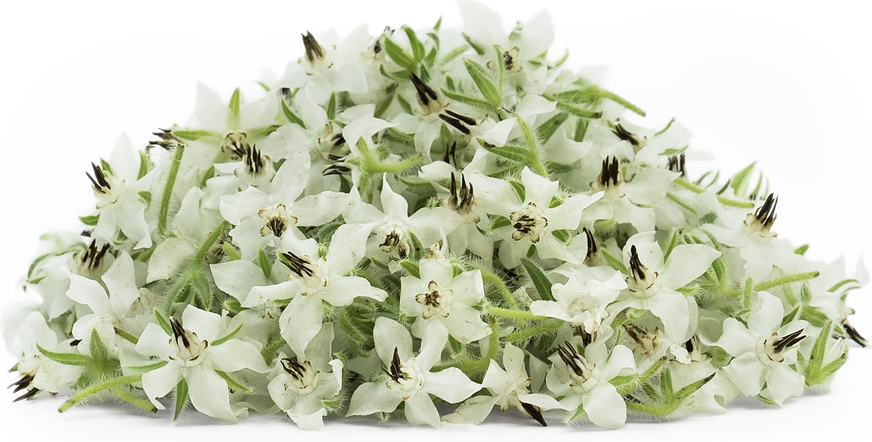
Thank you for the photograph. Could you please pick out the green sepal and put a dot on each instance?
(145, 196)
(74, 359)
(99, 353)
(562, 235)
(399, 55)
(232, 383)
(515, 153)
(228, 336)
(331, 106)
(263, 262)
(485, 85)
(411, 267)
(465, 99)
(674, 151)
(90, 220)
(549, 127)
(478, 49)
(181, 399)
(192, 135)
(234, 103)
(540, 280)
(739, 179)
(499, 222)
(163, 322)
(613, 262)
(519, 188)
(145, 165)
(233, 306)
(418, 50)
(291, 116)
(801, 250)
(147, 367)
(404, 104)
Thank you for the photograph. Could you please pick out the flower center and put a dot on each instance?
(189, 349)
(460, 199)
(107, 188)
(331, 143)
(758, 225)
(257, 169)
(316, 58)
(583, 375)
(407, 377)
(313, 275)
(427, 98)
(771, 350)
(89, 260)
(528, 222)
(646, 343)
(304, 378)
(276, 220)
(396, 237)
(610, 181)
(236, 143)
(436, 302)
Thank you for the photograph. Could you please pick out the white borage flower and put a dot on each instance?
(109, 307)
(65, 254)
(312, 279)
(521, 48)
(764, 351)
(409, 377)
(654, 282)
(532, 218)
(508, 387)
(300, 387)
(394, 226)
(119, 193)
(583, 380)
(583, 299)
(194, 353)
(459, 196)
(262, 219)
(39, 373)
(756, 241)
(439, 295)
(329, 66)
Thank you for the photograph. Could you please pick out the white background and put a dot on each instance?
(782, 83)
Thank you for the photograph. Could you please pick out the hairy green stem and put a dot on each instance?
(723, 200)
(94, 389)
(168, 191)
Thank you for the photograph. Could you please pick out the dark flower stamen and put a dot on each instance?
(788, 341)
(297, 265)
(609, 174)
(179, 333)
(570, 357)
(294, 368)
(676, 164)
(636, 267)
(765, 214)
(100, 184)
(313, 49)
(426, 94)
(625, 135)
(396, 373)
(535, 413)
(167, 139)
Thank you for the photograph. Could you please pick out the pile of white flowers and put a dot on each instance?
(425, 217)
